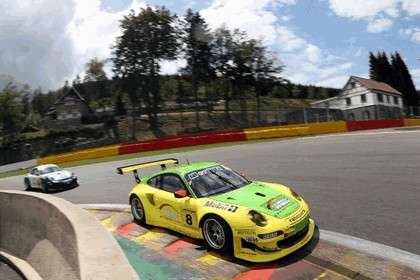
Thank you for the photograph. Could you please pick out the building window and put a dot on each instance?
(387, 99)
(395, 100)
(363, 98)
(348, 101)
(380, 98)
(366, 115)
(350, 117)
(352, 84)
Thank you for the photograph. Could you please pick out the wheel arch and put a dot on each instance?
(204, 217)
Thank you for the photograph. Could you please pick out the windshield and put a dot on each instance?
(214, 180)
(50, 169)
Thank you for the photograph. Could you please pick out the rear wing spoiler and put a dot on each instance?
(135, 167)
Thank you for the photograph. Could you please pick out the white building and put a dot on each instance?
(365, 99)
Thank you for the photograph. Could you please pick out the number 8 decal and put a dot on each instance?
(188, 219)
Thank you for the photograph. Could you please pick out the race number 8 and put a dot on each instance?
(188, 219)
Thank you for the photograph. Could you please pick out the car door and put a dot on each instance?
(178, 212)
(35, 178)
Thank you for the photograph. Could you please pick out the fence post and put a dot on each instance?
(278, 116)
(305, 117)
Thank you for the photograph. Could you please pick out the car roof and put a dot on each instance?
(187, 168)
(44, 166)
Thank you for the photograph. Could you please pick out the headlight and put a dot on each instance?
(52, 179)
(257, 218)
(295, 194)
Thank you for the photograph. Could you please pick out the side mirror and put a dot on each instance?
(180, 194)
(243, 174)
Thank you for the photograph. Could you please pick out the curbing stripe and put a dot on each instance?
(372, 248)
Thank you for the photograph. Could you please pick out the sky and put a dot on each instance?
(43, 43)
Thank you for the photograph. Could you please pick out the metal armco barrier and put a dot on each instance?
(227, 136)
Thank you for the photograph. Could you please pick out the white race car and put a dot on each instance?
(50, 176)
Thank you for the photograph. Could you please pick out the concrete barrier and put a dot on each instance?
(373, 124)
(57, 240)
(18, 166)
(275, 132)
(99, 152)
(411, 122)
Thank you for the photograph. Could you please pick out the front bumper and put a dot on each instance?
(66, 183)
(264, 252)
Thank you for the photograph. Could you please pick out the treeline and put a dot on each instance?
(217, 65)
(393, 72)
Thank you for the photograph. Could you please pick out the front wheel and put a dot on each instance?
(217, 234)
(44, 187)
(137, 210)
(27, 185)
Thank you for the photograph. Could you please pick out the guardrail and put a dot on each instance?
(46, 237)
(228, 136)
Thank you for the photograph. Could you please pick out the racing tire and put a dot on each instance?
(137, 210)
(44, 187)
(27, 185)
(217, 234)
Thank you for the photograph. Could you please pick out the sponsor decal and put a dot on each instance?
(169, 211)
(222, 206)
(248, 253)
(188, 210)
(251, 239)
(193, 175)
(246, 231)
(277, 204)
(269, 249)
(169, 214)
(298, 216)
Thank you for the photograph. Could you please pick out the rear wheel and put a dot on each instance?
(217, 234)
(27, 185)
(137, 210)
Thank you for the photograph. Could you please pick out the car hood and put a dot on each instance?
(59, 175)
(263, 198)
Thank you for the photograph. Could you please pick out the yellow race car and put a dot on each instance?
(255, 221)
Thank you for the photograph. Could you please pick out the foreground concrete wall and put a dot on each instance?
(58, 240)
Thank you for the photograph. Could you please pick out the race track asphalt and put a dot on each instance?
(363, 184)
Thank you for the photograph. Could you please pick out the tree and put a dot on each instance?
(380, 68)
(402, 80)
(95, 70)
(373, 67)
(262, 68)
(394, 74)
(312, 92)
(119, 105)
(12, 117)
(223, 55)
(197, 53)
(147, 39)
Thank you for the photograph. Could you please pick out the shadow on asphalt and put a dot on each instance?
(408, 128)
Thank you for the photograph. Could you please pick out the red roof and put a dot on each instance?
(374, 85)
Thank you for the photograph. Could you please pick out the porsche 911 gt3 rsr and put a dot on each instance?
(49, 176)
(257, 221)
